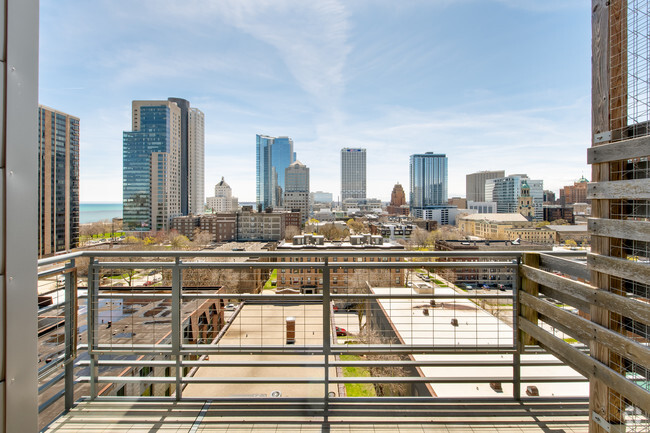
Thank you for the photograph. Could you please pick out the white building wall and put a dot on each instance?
(196, 160)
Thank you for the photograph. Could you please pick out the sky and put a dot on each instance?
(493, 84)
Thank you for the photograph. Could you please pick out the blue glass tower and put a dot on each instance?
(428, 177)
(138, 146)
(273, 156)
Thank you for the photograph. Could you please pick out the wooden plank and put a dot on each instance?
(599, 68)
(622, 229)
(586, 365)
(596, 297)
(565, 298)
(531, 287)
(622, 268)
(619, 151)
(637, 189)
(586, 331)
(568, 267)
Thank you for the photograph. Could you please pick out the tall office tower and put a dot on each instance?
(353, 173)
(505, 192)
(151, 158)
(196, 161)
(428, 177)
(475, 184)
(58, 181)
(296, 194)
(273, 156)
(192, 156)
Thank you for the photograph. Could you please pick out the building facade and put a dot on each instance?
(273, 156)
(428, 194)
(505, 192)
(296, 194)
(475, 184)
(398, 204)
(196, 161)
(576, 193)
(222, 200)
(58, 181)
(353, 173)
(151, 157)
(492, 226)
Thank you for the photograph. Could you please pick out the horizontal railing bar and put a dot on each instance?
(47, 385)
(50, 401)
(568, 267)
(311, 297)
(62, 258)
(120, 295)
(52, 365)
(305, 265)
(317, 380)
(458, 296)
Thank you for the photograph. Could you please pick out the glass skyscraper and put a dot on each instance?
(428, 178)
(273, 156)
(151, 166)
(505, 192)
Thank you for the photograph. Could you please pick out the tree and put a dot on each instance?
(355, 226)
(180, 242)
(570, 243)
(419, 237)
(290, 232)
(542, 224)
(333, 232)
(201, 238)
(560, 222)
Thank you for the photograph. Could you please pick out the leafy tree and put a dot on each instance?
(355, 226)
(290, 232)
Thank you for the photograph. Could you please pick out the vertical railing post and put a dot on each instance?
(327, 329)
(70, 312)
(176, 325)
(516, 356)
(91, 323)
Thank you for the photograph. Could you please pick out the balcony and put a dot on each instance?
(199, 341)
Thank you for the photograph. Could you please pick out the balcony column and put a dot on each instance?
(70, 311)
(327, 329)
(176, 326)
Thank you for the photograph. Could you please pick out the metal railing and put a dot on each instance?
(192, 325)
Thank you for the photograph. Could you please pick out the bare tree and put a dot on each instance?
(290, 232)
(201, 238)
(419, 237)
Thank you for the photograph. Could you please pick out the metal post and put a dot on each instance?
(176, 325)
(327, 329)
(516, 357)
(91, 323)
(70, 312)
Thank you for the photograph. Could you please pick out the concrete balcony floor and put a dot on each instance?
(218, 416)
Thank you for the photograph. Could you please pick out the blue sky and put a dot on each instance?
(494, 84)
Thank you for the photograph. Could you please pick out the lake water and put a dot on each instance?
(92, 212)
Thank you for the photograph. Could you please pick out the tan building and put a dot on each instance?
(459, 202)
(576, 193)
(342, 280)
(58, 181)
(398, 204)
(533, 235)
(492, 225)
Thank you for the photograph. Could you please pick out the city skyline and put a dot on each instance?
(381, 77)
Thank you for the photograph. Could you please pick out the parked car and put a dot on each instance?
(340, 332)
(230, 307)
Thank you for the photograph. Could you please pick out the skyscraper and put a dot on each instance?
(151, 166)
(296, 194)
(58, 181)
(428, 195)
(273, 156)
(428, 177)
(353, 173)
(505, 192)
(222, 200)
(192, 149)
(196, 161)
(475, 184)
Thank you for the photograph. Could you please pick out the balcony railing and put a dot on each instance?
(366, 326)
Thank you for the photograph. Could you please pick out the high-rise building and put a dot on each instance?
(475, 184)
(353, 173)
(398, 204)
(196, 161)
(321, 197)
(296, 194)
(428, 195)
(58, 181)
(505, 191)
(192, 157)
(428, 177)
(273, 156)
(152, 166)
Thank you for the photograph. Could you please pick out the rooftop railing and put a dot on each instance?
(326, 327)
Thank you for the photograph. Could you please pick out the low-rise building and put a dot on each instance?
(562, 233)
(492, 225)
(342, 280)
(555, 212)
